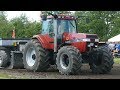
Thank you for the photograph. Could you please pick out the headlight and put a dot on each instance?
(68, 41)
(89, 40)
(96, 40)
(81, 40)
(74, 40)
(86, 40)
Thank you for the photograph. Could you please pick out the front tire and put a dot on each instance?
(69, 60)
(35, 58)
(101, 60)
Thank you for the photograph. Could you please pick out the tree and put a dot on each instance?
(25, 28)
(101, 23)
(5, 26)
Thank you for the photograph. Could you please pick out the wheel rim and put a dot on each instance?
(64, 61)
(31, 56)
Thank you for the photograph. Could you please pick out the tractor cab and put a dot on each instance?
(64, 24)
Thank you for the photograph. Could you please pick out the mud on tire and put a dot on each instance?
(40, 56)
(101, 60)
(69, 60)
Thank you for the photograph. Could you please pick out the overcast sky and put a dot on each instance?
(32, 15)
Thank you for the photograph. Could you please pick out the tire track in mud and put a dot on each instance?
(53, 73)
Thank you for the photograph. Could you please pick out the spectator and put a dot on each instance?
(117, 46)
(112, 46)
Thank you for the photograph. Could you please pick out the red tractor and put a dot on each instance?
(60, 44)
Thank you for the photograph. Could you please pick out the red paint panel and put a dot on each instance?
(80, 46)
(45, 41)
(72, 36)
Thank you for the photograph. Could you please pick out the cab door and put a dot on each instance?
(47, 30)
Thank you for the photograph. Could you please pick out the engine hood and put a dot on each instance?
(72, 36)
(81, 35)
(84, 35)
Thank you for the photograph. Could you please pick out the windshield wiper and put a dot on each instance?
(72, 24)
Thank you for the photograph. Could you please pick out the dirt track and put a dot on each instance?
(54, 74)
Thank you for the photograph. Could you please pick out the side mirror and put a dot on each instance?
(51, 34)
(44, 17)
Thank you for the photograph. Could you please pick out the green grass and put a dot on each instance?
(7, 76)
(4, 76)
(117, 60)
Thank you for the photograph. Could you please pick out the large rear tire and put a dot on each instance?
(101, 60)
(35, 58)
(69, 60)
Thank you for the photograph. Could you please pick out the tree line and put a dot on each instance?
(23, 27)
(105, 24)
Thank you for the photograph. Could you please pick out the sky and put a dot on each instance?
(32, 15)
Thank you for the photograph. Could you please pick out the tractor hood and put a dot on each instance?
(84, 35)
(81, 37)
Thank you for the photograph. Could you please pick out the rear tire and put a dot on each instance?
(101, 60)
(69, 60)
(4, 58)
(39, 57)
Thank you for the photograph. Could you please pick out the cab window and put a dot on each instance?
(47, 26)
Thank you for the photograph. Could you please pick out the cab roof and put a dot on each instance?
(63, 17)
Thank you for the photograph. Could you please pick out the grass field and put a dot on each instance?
(5, 76)
(10, 76)
(117, 60)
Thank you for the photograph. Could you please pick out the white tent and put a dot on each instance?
(115, 39)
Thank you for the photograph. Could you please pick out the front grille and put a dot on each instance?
(91, 36)
(92, 40)
(88, 48)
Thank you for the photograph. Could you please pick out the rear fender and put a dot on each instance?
(41, 40)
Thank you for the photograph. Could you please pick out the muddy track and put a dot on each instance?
(53, 73)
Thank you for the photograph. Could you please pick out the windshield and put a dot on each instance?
(63, 26)
(66, 26)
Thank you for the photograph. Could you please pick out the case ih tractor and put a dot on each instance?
(59, 44)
